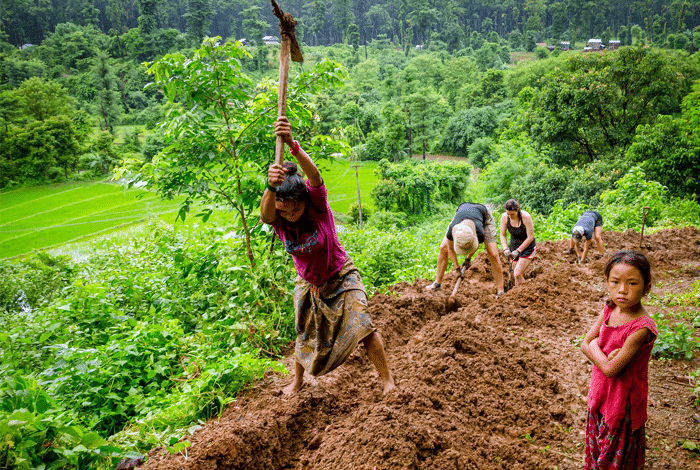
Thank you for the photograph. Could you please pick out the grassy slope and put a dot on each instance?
(342, 185)
(48, 216)
(42, 217)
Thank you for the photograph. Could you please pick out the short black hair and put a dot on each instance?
(293, 188)
(632, 258)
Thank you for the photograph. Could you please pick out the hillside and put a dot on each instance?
(498, 384)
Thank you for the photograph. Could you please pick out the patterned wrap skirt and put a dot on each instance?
(330, 320)
(614, 449)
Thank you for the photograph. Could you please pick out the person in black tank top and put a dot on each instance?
(521, 249)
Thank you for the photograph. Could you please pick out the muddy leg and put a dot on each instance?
(298, 382)
(496, 268)
(520, 269)
(598, 234)
(443, 258)
(375, 351)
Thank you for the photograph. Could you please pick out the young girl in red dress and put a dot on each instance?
(619, 344)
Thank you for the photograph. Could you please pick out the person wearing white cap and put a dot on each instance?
(588, 226)
(471, 225)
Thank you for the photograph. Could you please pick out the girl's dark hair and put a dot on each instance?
(632, 258)
(512, 205)
(294, 187)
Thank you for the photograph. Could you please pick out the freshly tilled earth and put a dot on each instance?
(498, 384)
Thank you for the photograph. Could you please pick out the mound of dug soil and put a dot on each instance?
(498, 384)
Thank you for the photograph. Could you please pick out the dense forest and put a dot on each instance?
(325, 22)
(447, 81)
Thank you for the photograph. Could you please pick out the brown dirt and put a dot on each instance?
(498, 384)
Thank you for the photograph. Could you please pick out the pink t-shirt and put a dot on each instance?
(314, 245)
(631, 385)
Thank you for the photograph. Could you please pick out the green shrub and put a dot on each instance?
(161, 322)
(623, 206)
(418, 187)
(467, 126)
(384, 220)
(354, 213)
(480, 152)
(544, 184)
(541, 52)
(387, 256)
(30, 283)
(559, 223)
(514, 159)
(676, 338)
(35, 433)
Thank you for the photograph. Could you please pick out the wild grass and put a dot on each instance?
(51, 216)
(43, 217)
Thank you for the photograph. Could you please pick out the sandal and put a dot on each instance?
(500, 293)
(434, 286)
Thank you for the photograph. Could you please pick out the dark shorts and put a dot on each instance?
(529, 252)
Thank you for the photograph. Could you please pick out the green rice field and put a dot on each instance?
(340, 181)
(45, 217)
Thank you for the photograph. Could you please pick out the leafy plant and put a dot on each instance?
(35, 433)
(419, 187)
(676, 339)
(559, 223)
(221, 132)
(689, 298)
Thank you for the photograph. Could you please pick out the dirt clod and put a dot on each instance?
(491, 384)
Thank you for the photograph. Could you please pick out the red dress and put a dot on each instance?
(617, 406)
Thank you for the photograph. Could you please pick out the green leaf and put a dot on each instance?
(92, 440)
(690, 445)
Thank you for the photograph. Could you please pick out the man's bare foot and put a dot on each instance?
(293, 388)
(389, 386)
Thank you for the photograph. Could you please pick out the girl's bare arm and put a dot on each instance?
(307, 165)
(504, 227)
(613, 366)
(530, 229)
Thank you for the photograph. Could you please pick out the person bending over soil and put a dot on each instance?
(588, 226)
(619, 344)
(471, 225)
(330, 303)
(521, 249)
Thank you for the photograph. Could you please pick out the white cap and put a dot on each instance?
(578, 232)
(464, 235)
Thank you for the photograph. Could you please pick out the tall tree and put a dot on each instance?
(147, 19)
(121, 14)
(253, 26)
(354, 36)
(428, 112)
(318, 22)
(107, 98)
(591, 109)
(423, 18)
(222, 130)
(536, 10)
(342, 14)
(39, 100)
(199, 14)
(378, 20)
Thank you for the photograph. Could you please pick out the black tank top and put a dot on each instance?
(517, 236)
